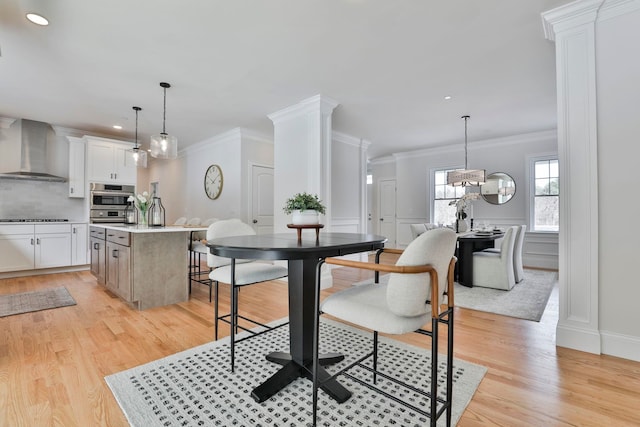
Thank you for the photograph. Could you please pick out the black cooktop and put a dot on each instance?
(34, 220)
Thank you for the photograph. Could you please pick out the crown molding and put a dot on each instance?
(64, 131)
(614, 8)
(6, 122)
(482, 144)
(315, 103)
(350, 140)
(382, 160)
(569, 16)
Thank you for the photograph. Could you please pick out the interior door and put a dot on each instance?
(261, 209)
(387, 210)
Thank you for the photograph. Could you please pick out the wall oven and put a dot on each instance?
(107, 202)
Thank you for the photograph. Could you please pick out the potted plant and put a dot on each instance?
(305, 208)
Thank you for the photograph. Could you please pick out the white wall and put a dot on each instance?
(413, 174)
(181, 181)
(618, 92)
(347, 185)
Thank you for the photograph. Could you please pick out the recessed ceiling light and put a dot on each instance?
(117, 127)
(447, 97)
(37, 19)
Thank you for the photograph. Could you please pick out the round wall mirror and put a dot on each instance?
(498, 188)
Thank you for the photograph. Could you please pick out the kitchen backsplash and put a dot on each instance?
(39, 199)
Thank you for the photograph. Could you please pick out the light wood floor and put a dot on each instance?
(53, 362)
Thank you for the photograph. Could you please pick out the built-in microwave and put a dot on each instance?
(110, 196)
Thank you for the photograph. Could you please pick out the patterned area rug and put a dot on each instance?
(35, 301)
(195, 387)
(526, 300)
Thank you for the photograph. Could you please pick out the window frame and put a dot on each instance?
(432, 191)
(531, 189)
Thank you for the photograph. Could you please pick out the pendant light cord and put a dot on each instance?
(164, 106)
(465, 141)
(136, 128)
(136, 109)
(164, 111)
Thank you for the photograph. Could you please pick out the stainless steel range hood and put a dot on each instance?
(28, 151)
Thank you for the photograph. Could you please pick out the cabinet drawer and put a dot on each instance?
(97, 233)
(53, 228)
(6, 230)
(119, 237)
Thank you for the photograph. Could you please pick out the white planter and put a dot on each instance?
(305, 217)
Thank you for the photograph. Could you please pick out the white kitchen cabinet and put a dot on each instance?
(28, 246)
(52, 250)
(110, 162)
(79, 240)
(77, 183)
(16, 247)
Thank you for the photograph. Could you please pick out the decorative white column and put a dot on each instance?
(573, 28)
(302, 155)
(302, 159)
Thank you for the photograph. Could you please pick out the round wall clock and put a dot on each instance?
(213, 182)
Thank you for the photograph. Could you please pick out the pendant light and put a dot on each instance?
(164, 146)
(466, 177)
(139, 155)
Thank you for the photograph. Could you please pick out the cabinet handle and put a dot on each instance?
(114, 253)
(73, 230)
(31, 242)
(71, 190)
(38, 241)
(115, 176)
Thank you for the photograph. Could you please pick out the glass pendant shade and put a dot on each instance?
(138, 154)
(164, 146)
(139, 157)
(466, 177)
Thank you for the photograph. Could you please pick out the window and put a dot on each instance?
(443, 195)
(546, 195)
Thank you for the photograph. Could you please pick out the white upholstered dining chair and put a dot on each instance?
(180, 221)
(494, 269)
(518, 269)
(419, 291)
(237, 273)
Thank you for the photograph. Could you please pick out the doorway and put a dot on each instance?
(261, 200)
(387, 210)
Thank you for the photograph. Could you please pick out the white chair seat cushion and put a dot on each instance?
(492, 250)
(199, 247)
(246, 274)
(366, 305)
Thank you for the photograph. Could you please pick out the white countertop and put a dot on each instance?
(147, 229)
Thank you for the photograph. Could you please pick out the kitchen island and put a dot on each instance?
(145, 266)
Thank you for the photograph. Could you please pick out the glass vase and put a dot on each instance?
(157, 213)
(142, 218)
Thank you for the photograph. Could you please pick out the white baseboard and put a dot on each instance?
(619, 345)
(578, 339)
(26, 273)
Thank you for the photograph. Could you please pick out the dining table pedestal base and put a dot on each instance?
(292, 370)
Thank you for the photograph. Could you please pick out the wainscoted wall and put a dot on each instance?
(413, 172)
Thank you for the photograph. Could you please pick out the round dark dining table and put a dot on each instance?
(303, 257)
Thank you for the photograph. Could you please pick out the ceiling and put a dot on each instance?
(389, 64)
